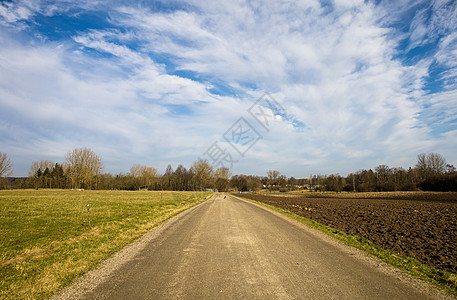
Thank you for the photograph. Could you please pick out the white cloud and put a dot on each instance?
(332, 68)
(12, 12)
(47, 103)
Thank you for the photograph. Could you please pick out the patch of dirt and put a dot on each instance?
(419, 225)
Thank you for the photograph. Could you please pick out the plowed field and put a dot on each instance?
(420, 225)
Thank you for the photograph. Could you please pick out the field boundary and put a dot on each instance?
(90, 280)
(411, 269)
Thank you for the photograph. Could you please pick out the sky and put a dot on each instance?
(302, 87)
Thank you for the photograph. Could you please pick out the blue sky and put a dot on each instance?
(358, 83)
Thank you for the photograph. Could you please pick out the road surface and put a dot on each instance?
(227, 248)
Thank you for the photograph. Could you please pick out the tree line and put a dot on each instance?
(431, 173)
(83, 169)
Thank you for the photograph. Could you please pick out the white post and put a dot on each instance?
(88, 215)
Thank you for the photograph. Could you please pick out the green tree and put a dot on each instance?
(41, 173)
(46, 178)
(58, 176)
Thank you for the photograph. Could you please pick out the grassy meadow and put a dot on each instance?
(46, 241)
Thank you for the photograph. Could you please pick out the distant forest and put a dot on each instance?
(83, 169)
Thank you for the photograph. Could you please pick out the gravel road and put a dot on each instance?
(228, 248)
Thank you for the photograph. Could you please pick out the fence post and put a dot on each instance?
(88, 214)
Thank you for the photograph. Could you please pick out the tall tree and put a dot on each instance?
(143, 175)
(85, 166)
(148, 176)
(135, 170)
(6, 166)
(168, 180)
(222, 182)
(203, 174)
(223, 172)
(183, 178)
(431, 164)
(273, 176)
(58, 176)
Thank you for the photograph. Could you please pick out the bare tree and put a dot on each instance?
(431, 164)
(135, 170)
(85, 166)
(223, 172)
(273, 176)
(6, 166)
(222, 182)
(149, 174)
(203, 173)
(143, 175)
(41, 166)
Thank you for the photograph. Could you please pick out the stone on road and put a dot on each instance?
(227, 248)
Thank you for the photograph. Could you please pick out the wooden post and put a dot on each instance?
(88, 214)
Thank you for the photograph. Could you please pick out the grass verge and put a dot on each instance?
(441, 279)
(46, 241)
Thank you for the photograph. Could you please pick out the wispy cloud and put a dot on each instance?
(158, 86)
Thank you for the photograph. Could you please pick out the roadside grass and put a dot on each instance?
(46, 242)
(441, 279)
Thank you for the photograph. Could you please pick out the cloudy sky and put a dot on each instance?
(344, 85)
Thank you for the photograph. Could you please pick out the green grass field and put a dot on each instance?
(46, 241)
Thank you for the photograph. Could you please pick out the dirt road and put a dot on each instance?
(227, 248)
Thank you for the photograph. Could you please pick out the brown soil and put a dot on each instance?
(419, 225)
